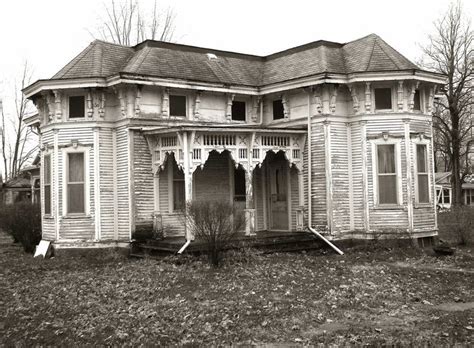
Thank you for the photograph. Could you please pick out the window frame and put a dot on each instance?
(392, 99)
(427, 143)
(49, 184)
(83, 95)
(398, 173)
(420, 99)
(171, 95)
(65, 180)
(171, 163)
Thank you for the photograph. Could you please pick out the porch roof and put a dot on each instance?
(218, 129)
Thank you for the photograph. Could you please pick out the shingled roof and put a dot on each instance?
(168, 60)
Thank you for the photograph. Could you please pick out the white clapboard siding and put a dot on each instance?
(340, 182)
(163, 190)
(318, 175)
(123, 216)
(143, 182)
(106, 184)
(173, 224)
(357, 179)
(82, 135)
(213, 181)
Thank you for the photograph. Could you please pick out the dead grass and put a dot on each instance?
(360, 298)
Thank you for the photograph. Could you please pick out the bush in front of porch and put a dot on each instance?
(216, 223)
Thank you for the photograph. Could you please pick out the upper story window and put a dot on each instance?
(47, 184)
(417, 100)
(422, 174)
(178, 105)
(278, 110)
(76, 183)
(76, 106)
(238, 111)
(383, 98)
(387, 174)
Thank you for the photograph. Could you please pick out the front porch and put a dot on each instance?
(258, 172)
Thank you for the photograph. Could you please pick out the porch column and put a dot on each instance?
(249, 204)
(300, 209)
(188, 179)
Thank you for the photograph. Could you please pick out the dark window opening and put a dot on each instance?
(278, 111)
(417, 101)
(383, 98)
(76, 107)
(238, 111)
(239, 185)
(178, 105)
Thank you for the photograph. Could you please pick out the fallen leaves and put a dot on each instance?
(303, 298)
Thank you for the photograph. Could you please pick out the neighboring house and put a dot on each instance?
(25, 187)
(444, 193)
(334, 136)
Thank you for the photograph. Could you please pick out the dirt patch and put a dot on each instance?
(455, 306)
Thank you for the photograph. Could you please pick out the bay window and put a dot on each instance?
(387, 174)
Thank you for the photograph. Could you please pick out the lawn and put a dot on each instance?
(372, 295)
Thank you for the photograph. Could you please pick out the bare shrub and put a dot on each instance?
(216, 223)
(22, 221)
(457, 225)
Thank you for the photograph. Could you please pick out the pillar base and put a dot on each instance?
(249, 222)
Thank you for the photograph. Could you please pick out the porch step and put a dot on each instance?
(268, 242)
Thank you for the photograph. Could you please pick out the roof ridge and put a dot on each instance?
(370, 56)
(76, 59)
(111, 43)
(360, 39)
(388, 55)
(143, 57)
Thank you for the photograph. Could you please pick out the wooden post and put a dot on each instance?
(188, 179)
(249, 203)
(408, 161)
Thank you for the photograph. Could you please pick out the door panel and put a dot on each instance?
(279, 195)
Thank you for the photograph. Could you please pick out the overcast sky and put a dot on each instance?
(49, 33)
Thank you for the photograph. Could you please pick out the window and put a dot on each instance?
(76, 107)
(178, 188)
(47, 184)
(422, 174)
(417, 100)
(238, 111)
(239, 185)
(383, 98)
(446, 196)
(278, 111)
(469, 196)
(178, 105)
(386, 174)
(75, 183)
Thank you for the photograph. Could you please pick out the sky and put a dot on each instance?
(49, 33)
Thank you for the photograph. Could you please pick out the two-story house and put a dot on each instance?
(329, 135)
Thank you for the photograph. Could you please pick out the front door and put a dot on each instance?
(279, 195)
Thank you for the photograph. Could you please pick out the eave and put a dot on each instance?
(216, 129)
(303, 82)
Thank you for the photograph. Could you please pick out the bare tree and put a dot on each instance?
(17, 148)
(450, 51)
(127, 23)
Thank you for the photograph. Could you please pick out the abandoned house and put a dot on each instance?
(329, 135)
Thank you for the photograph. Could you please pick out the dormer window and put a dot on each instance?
(238, 111)
(383, 98)
(77, 106)
(417, 100)
(178, 105)
(278, 110)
